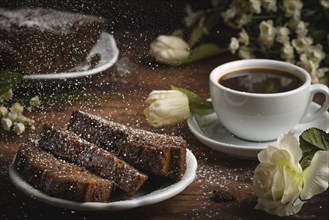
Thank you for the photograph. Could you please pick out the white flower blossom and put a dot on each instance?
(255, 6)
(269, 5)
(13, 115)
(315, 53)
(292, 8)
(282, 34)
(311, 67)
(243, 19)
(287, 52)
(234, 45)
(17, 108)
(245, 53)
(238, 13)
(301, 28)
(302, 43)
(19, 128)
(267, 33)
(170, 49)
(279, 180)
(324, 3)
(229, 14)
(6, 124)
(3, 111)
(166, 107)
(13, 118)
(244, 37)
(192, 16)
(242, 6)
(321, 72)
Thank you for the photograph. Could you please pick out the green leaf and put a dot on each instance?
(311, 141)
(9, 80)
(197, 104)
(195, 36)
(204, 51)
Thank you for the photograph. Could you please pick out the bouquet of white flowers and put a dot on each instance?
(11, 111)
(295, 31)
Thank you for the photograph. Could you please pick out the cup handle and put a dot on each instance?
(311, 116)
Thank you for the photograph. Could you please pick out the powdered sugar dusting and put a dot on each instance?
(43, 19)
(216, 172)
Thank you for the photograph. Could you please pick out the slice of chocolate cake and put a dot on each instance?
(158, 154)
(47, 40)
(58, 178)
(69, 146)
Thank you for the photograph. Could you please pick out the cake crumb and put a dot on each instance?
(223, 196)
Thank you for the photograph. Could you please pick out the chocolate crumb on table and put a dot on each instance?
(223, 196)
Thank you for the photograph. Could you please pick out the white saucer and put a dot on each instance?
(107, 49)
(164, 191)
(211, 132)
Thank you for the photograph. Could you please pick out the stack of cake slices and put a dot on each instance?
(95, 156)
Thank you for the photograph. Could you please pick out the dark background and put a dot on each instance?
(123, 14)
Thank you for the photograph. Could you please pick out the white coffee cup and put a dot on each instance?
(260, 116)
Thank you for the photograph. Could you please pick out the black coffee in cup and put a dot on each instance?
(260, 80)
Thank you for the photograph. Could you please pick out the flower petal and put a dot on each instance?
(290, 143)
(277, 208)
(316, 176)
(293, 184)
(166, 107)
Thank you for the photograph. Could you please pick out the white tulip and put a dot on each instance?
(169, 50)
(166, 107)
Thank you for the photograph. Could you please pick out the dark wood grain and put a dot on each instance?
(119, 93)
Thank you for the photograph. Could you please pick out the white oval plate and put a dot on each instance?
(212, 133)
(162, 193)
(107, 49)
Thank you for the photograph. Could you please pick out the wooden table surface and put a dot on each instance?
(119, 94)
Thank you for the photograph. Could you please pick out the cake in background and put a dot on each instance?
(43, 40)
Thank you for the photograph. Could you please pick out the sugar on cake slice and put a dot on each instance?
(58, 178)
(158, 154)
(69, 146)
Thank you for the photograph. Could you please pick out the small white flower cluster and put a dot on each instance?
(12, 118)
(280, 32)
